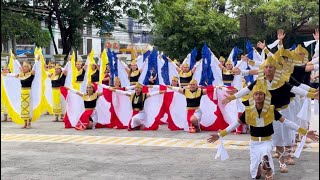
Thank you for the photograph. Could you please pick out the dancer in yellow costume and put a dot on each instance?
(80, 75)
(57, 80)
(26, 78)
(5, 71)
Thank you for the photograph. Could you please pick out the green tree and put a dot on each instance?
(181, 25)
(15, 25)
(72, 15)
(290, 15)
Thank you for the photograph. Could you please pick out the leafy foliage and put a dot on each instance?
(184, 24)
(73, 15)
(290, 15)
(18, 25)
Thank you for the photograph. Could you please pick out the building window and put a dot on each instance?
(89, 45)
(80, 50)
(60, 44)
(89, 30)
(48, 50)
(81, 32)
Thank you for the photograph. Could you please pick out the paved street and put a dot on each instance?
(48, 151)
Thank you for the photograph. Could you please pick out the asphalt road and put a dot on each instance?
(48, 151)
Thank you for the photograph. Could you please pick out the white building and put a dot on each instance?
(90, 40)
(135, 34)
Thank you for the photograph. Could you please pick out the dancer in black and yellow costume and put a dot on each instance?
(5, 70)
(133, 72)
(80, 75)
(228, 73)
(57, 80)
(260, 115)
(281, 92)
(26, 78)
(95, 76)
(186, 74)
(193, 96)
(137, 99)
(90, 101)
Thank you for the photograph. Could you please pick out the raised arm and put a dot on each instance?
(195, 67)
(177, 68)
(74, 91)
(125, 67)
(263, 47)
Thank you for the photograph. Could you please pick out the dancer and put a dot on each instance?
(26, 78)
(260, 115)
(185, 74)
(106, 79)
(193, 96)
(57, 80)
(133, 72)
(138, 98)
(4, 72)
(80, 75)
(279, 90)
(90, 101)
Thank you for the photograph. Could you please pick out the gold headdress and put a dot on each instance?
(259, 87)
(301, 49)
(271, 62)
(185, 65)
(267, 110)
(90, 84)
(193, 81)
(116, 79)
(50, 64)
(79, 63)
(25, 63)
(57, 66)
(133, 62)
(138, 85)
(174, 78)
(222, 59)
(228, 62)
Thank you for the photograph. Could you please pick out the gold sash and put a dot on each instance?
(185, 75)
(25, 103)
(192, 95)
(56, 96)
(252, 117)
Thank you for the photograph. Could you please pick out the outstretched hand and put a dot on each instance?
(236, 71)
(261, 45)
(280, 34)
(312, 135)
(232, 91)
(214, 137)
(226, 100)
